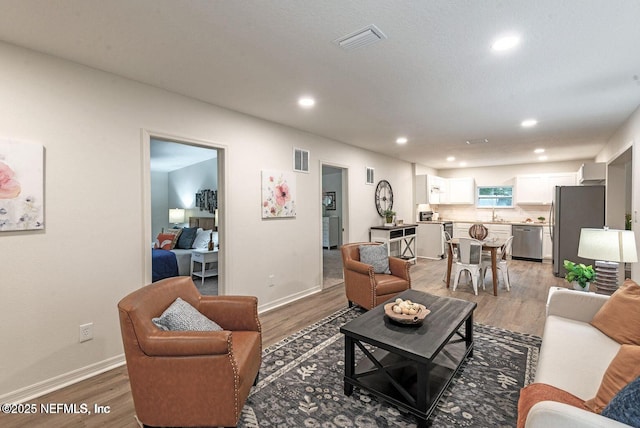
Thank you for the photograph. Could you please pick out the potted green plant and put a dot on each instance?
(541, 219)
(388, 215)
(579, 274)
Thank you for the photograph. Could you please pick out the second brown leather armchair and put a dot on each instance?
(366, 288)
(190, 378)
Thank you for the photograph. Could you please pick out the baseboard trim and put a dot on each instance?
(289, 299)
(58, 382)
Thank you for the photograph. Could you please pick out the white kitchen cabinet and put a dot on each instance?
(547, 245)
(438, 190)
(422, 189)
(462, 190)
(539, 189)
(461, 230)
(429, 242)
(592, 173)
(449, 191)
(498, 231)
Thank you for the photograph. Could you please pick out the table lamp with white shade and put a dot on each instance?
(176, 216)
(608, 247)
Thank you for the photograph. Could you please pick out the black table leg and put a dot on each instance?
(349, 364)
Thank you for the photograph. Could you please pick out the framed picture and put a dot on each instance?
(278, 194)
(330, 198)
(21, 186)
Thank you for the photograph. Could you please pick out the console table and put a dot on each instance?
(400, 240)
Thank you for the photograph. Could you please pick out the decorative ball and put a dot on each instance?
(478, 231)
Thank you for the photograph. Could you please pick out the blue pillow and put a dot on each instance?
(625, 405)
(187, 237)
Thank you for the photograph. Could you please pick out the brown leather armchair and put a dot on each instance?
(366, 288)
(190, 378)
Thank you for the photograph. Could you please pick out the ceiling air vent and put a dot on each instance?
(477, 141)
(361, 38)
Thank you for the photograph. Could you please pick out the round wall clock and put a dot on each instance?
(384, 197)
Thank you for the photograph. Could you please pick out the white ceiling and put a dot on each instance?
(167, 156)
(434, 79)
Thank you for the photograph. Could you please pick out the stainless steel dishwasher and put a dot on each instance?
(527, 242)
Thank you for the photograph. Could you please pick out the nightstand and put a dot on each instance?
(204, 257)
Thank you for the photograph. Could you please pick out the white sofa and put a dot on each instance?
(574, 356)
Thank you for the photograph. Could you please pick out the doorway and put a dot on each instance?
(178, 174)
(620, 196)
(334, 218)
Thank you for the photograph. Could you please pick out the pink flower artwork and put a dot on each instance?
(9, 186)
(278, 194)
(21, 186)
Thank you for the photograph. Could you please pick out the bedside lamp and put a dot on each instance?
(608, 247)
(176, 216)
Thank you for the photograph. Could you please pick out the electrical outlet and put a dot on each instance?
(271, 280)
(86, 332)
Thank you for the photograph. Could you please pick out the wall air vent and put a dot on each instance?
(300, 160)
(361, 38)
(477, 141)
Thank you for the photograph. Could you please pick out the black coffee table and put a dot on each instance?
(412, 365)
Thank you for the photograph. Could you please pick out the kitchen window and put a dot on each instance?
(495, 197)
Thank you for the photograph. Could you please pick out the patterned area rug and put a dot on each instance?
(301, 383)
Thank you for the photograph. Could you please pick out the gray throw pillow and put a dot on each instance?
(181, 316)
(376, 256)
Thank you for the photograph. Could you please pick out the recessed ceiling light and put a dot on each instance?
(401, 140)
(505, 43)
(528, 123)
(542, 158)
(451, 159)
(306, 102)
(538, 151)
(463, 163)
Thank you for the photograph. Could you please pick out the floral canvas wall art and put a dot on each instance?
(278, 194)
(21, 186)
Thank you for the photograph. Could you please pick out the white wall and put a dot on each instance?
(94, 248)
(159, 202)
(628, 135)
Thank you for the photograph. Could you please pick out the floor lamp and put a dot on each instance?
(608, 247)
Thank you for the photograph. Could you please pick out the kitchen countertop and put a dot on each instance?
(507, 222)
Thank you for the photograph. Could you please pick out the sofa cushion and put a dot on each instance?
(574, 356)
(623, 369)
(165, 241)
(376, 256)
(187, 237)
(625, 406)
(536, 392)
(181, 316)
(619, 317)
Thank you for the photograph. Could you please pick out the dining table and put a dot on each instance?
(491, 245)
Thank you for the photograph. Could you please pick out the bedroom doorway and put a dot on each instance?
(184, 189)
(333, 222)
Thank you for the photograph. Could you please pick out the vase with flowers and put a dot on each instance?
(579, 274)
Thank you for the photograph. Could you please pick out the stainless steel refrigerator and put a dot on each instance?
(573, 208)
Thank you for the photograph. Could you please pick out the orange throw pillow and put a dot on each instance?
(624, 368)
(619, 317)
(165, 241)
(536, 392)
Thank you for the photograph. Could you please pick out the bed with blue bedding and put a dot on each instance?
(177, 260)
(164, 264)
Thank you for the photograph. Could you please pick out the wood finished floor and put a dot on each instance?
(522, 309)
